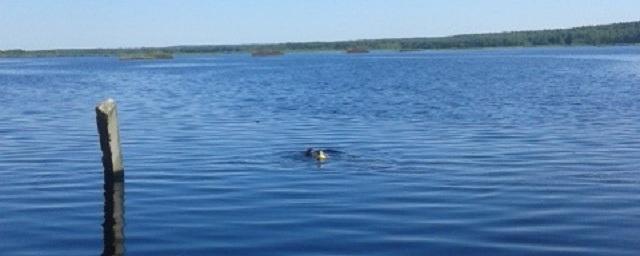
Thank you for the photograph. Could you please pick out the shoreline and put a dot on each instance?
(615, 34)
(371, 51)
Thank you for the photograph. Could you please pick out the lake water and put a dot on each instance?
(487, 152)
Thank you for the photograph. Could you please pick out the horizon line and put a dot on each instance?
(304, 42)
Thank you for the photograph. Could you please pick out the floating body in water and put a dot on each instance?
(317, 154)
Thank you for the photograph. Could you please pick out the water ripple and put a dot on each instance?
(500, 152)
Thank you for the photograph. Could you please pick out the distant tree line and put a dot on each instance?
(618, 33)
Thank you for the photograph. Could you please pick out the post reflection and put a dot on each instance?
(113, 226)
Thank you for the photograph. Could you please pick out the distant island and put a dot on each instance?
(266, 53)
(354, 50)
(611, 34)
(146, 55)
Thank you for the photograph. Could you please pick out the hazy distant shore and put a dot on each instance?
(612, 34)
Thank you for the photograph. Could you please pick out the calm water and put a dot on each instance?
(492, 152)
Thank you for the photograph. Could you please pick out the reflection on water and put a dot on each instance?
(113, 226)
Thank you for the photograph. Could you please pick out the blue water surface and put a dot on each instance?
(467, 152)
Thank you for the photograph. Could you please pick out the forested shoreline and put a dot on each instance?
(611, 34)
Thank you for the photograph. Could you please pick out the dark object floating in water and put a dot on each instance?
(317, 154)
(357, 50)
(146, 56)
(266, 53)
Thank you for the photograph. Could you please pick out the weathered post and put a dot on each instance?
(107, 120)
(113, 226)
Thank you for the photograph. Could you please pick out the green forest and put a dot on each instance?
(611, 34)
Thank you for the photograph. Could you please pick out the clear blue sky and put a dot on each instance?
(46, 24)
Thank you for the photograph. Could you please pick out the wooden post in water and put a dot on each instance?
(107, 120)
(113, 226)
